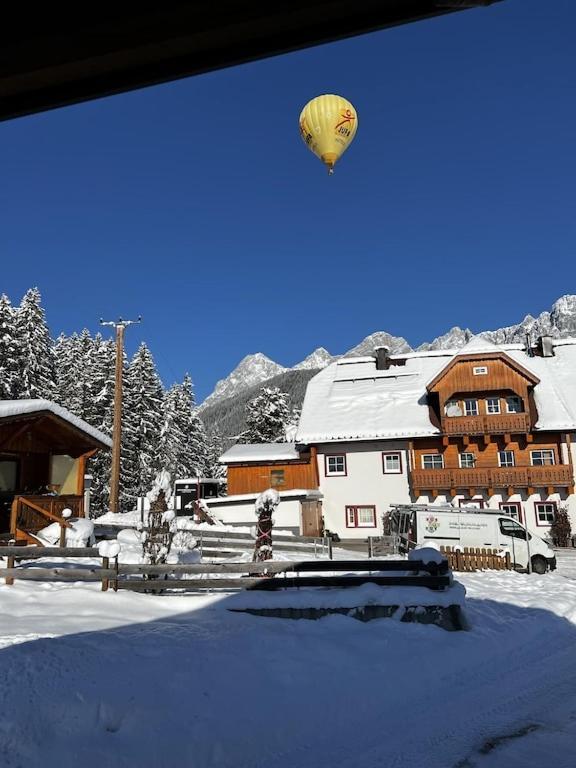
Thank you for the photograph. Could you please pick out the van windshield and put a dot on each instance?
(511, 528)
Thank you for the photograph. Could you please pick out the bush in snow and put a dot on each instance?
(561, 530)
(266, 503)
(157, 540)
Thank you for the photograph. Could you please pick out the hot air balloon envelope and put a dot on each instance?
(328, 124)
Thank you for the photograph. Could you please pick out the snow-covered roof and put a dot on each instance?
(257, 452)
(10, 408)
(352, 400)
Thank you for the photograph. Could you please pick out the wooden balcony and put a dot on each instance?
(559, 475)
(493, 424)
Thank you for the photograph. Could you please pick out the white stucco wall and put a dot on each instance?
(240, 511)
(365, 484)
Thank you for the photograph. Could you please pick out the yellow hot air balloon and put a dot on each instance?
(327, 125)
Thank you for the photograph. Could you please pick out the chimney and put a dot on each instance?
(529, 350)
(545, 343)
(382, 355)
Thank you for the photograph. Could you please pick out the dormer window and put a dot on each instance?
(514, 404)
(480, 370)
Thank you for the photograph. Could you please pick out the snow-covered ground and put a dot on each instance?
(108, 680)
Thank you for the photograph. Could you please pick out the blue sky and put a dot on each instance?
(197, 205)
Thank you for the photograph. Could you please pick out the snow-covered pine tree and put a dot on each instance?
(64, 352)
(9, 363)
(266, 416)
(101, 416)
(74, 362)
(172, 433)
(291, 425)
(194, 449)
(215, 449)
(141, 426)
(36, 354)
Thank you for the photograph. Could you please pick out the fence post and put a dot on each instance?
(10, 564)
(458, 560)
(105, 566)
(369, 547)
(329, 547)
(62, 535)
(115, 583)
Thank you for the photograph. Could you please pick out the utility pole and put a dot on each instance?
(119, 325)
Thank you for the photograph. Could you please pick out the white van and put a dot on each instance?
(470, 527)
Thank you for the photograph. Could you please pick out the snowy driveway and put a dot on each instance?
(136, 680)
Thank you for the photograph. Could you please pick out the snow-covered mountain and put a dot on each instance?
(395, 344)
(251, 370)
(559, 322)
(320, 358)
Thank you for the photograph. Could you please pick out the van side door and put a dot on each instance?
(512, 538)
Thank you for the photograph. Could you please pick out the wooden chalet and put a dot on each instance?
(484, 404)
(485, 426)
(43, 454)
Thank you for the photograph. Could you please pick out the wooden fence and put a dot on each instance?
(216, 543)
(271, 575)
(477, 559)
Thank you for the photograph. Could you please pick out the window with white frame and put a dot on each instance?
(471, 407)
(542, 457)
(506, 459)
(392, 463)
(514, 404)
(361, 517)
(432, 461)
(467, 460)
(336, 465)
(480, 370)
(545, 512)
(492, 405)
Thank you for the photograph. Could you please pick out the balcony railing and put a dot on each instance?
(493, 424)
(32, 513)
(499, 477)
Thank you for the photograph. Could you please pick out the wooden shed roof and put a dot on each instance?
(40, 426)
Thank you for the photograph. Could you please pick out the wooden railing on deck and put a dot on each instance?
(32, 513)
(497, 477)
(491, 424)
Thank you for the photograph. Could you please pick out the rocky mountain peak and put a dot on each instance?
(251, 370)
(320, 358)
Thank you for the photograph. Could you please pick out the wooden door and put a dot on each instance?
(312, 520)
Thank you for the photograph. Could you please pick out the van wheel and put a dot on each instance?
(539, 565)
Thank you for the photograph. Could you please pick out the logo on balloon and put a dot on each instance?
(345, 125)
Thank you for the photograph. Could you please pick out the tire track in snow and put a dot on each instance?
(539, 679)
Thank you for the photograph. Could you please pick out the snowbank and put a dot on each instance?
(85, 677)
(79, 534)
